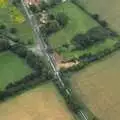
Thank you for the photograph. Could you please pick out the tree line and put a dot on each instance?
(93, 36)
(41, 71)
(88, 58)
(4, 44)
(54, 23)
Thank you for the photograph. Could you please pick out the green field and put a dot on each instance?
(41, 103)
(12, 69)
(94, 49)
(12, 17)
(98, 87)
(79, 22)
(108, 10)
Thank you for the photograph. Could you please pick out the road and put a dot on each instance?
(41, 45)
(42, 49)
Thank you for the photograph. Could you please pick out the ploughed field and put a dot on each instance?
(12, 68)
(42, 103)
(108, 10)
(98, 86)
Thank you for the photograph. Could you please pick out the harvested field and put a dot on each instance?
(108, 10)
(43, 103)
(98, 87)
(12, 68)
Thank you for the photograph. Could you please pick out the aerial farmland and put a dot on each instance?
(98, 87)
(108, 10)
(59, 60)
(41, 103)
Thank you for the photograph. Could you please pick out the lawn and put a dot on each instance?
(12, 68)
(98, 87)
(41, 103)
(79, 22)
(108, 10)
(12, 17)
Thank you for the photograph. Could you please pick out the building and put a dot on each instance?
(32, 2)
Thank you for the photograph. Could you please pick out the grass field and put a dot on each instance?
(93, 49)
(98, 87)
(107, 9)
(12, 69)
(12, 17)
(78, 22)
(42, 103)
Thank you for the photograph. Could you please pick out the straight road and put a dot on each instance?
(42, 48)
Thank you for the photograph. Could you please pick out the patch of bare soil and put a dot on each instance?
(63, 64)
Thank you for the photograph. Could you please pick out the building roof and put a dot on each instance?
(32, 2)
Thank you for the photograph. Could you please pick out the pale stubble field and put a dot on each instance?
(98, 86)
(42, 103)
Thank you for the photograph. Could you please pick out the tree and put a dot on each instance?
(13, 30)
(50, 27)
(94, 35)
(20, 50)
(4, 44)
(34, 9)
(96, 17)
(53, 2)
(16, 2)
(43, 5)
(2, 26)
(104, 23)
(62, 19)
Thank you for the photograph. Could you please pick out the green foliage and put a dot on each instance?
(4, 45)
(11, 16)
(2, 26)
(77, 22)
(13, 30)
(12, 69)
(42, 73)
(94, 35)
(50, 27)
(62, 19)
(34, 9)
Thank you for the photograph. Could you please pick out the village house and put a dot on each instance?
(32, 2)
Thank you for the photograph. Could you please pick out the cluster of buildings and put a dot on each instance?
(36, 2)
(32, 2)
